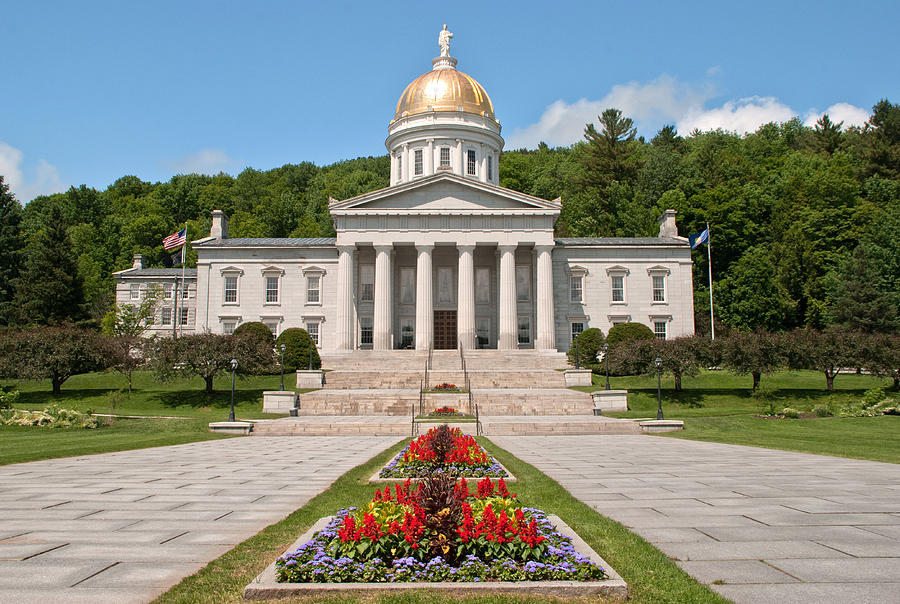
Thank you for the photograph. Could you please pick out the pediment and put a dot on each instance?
(443, 193)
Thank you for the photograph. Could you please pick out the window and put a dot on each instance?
(577, 328)
(167, 292)
(399, 167)
(367, 282)
(445, 285)
(445, 157)
(365, 331)
(418, 162)
(659, 288)
(231, 290)
(524, 330)
(490, 167)
(228, 327)
(483, 331)
(659, 328)
(576, 287)
(470, 162)
(183, 316)
(312, 328)
(618, 288)
(313, 289)
(482, 286)
(407, 285)
(135, 292)
(166, 316)
(523, 283)
(184, 291)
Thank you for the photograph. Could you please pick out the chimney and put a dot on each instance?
(138, 262)
(219, 228)
(667, 226)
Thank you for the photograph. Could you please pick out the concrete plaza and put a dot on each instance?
(124, 527)
(758, 525)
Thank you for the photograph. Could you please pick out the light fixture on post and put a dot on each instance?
(606, 358)
(282, 367)
(577, 360)
(659, 413)
(234, 365)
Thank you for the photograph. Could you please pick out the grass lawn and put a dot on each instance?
(718, 406)
(651, 576)
(107, 393)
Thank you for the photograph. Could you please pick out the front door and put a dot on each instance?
(444, 329)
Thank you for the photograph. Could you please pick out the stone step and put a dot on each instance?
(490, 401)
(414, 360)
(505, 378)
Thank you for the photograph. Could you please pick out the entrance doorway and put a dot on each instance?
(444, 329)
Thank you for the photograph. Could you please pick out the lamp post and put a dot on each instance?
(606, 358)
(234, 365)
(577, 356)
(311, 346)
(659, 413)
(282, 367)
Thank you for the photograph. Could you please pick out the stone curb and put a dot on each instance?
(265, 587)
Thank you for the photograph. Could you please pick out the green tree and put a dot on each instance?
(750, 298)
(828, 135)
(859, 299)
(55, 353)
(10, 248)
(133, 320)
(49, 288)
(208, 355)
(626, 332)
(299, 350)
(611, 153)
(827, 351)
(754, 353)
(586, 347)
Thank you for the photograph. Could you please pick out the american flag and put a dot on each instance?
(175, 240)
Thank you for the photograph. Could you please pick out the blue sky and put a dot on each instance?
(92, 91)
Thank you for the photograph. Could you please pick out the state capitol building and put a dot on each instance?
(442, 258)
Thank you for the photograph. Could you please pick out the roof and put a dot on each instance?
(611, 241)
(157, 272)
(268, 242)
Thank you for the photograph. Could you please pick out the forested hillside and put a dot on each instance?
(804, 221)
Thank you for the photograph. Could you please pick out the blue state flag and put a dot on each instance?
(699, 239)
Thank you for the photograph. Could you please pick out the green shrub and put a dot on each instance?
(628, 332)
(588, 344)
(821, 411)
(256, 328)
(764, 393)
(791, 413)
(873, 396)
(8, 397)
(298, 347)
(767, 409)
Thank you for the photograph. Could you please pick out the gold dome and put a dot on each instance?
(444, 90)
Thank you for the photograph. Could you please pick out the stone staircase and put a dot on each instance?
(388, 383)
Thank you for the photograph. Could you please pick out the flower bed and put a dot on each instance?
(445, 412)
(51, 417)
(444, 450)
(446, 388)
(438, 532)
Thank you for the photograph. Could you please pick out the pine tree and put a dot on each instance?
(10, 248)
(611, 153)
(49, 289)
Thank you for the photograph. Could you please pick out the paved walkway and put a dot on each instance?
(124, 527)
(759, 525)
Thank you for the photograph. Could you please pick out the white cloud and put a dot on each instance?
(666, 100)
(662, 100)
(745, 115)
(851, 115)
(205, 161)
(46, 179)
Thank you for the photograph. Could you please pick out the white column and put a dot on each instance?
(465, 302)
(460, 165)
(429, 158)
(546, 329)
(405, 170)
(424, 298)
(345, 324)
(482, 174)
(382, 339)
(508, 336)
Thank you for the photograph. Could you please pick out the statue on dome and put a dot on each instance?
(444, 41)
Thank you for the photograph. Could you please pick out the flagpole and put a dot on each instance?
(183, 263)
(712, 321)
